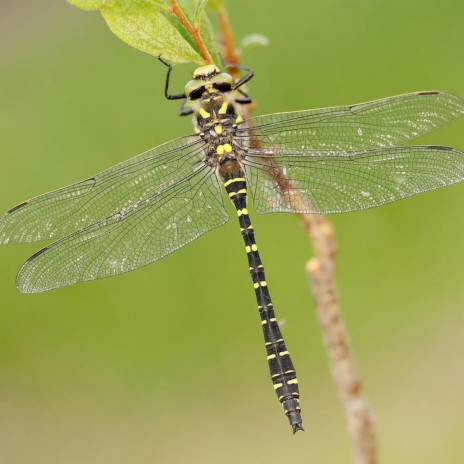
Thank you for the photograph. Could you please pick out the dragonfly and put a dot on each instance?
(317, 161)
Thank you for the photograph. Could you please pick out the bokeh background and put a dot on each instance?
(166, 364)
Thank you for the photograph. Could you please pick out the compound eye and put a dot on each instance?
(194, 89)
(223, 82)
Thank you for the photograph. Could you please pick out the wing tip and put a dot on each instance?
(441, 93)
(23, 283)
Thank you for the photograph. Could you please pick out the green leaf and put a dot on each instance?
(205, 28)
(142, 25)
(178, 27)
(209, 37)
(149, 26)
(199, 7)
(90, 5)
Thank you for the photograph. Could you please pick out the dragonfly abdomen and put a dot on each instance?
(283, 373)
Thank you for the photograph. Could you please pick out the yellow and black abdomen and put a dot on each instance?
(217, 119)
(283, 373)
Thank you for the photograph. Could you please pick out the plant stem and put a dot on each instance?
(321, 272)
(193, 31)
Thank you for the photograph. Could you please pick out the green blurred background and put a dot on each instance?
(167, 364)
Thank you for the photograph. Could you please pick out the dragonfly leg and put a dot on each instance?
(175, 96)
(245, 78)
(246, 98)
(183, 110)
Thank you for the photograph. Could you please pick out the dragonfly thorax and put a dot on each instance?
(216, 110)
(217, 118)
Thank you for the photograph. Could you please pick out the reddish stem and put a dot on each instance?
(193, 31)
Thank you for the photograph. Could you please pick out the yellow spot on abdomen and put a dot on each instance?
(237, 179)
(243, 211)
(218, 129)
(292, 382)
(220, 149)
(254, 247)
(227, 147)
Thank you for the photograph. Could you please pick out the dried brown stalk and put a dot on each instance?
(321, 273)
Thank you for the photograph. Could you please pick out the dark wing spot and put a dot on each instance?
(439, 147)
(37, 254)
(24, 203)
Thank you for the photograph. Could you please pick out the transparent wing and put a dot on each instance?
(119, 188)
(338, 182)
(128, 240)
(380, 123)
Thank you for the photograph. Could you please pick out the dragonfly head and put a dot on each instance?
(206, 71)
(208, 79)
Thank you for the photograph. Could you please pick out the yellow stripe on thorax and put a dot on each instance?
(223, 108)
(203, 113)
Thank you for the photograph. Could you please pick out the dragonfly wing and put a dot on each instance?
(338, 182)
(381, 123)
(63, 211)
(128, 240)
